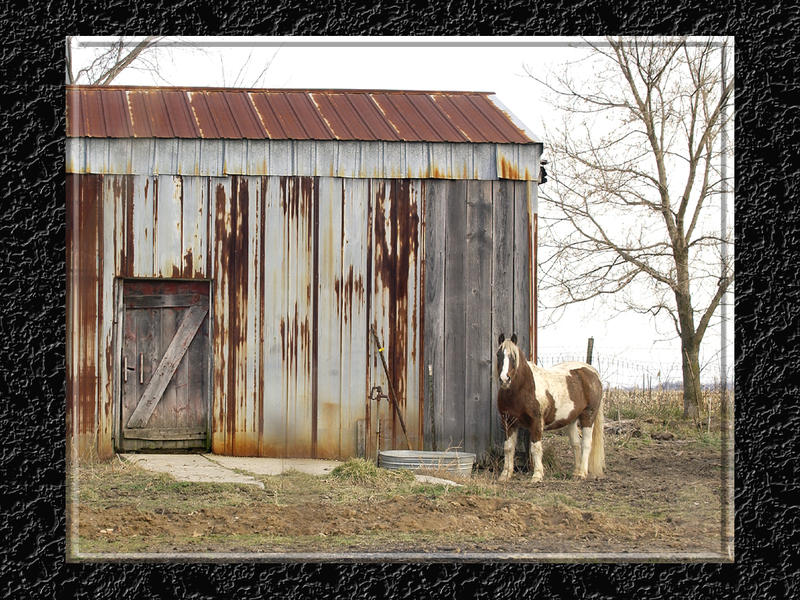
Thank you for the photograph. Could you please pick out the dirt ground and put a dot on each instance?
(657, 496)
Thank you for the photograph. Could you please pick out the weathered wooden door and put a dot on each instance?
(164, 366)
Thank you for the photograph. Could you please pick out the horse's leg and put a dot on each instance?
(586, 446)
(575, 442)
(509, 447)
(536, 457)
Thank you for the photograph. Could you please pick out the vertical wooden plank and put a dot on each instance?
(130, 359)
(168, 220)
(141, 243)
(195, 233)
(148, 355)
(166, 413)
(329, 334)
(222, 227)
(455, 315)
(502, 284)
(435, 247)
(275, 275)
(521, 268)
(195, 415)
(478, 372)
(521, 282)
(353, 320)
(183, 406)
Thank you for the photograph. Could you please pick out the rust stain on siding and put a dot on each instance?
(87, 410)
(188, 262)
(222, 269)
(237, 299)
(508, 170)
(393, 262)
(396, 250)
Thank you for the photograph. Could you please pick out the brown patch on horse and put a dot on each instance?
(518, 401)
(592, 396)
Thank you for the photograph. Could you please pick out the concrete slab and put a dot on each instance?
(274, 466)
(189, 467)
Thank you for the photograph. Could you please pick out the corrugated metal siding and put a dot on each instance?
(301, 267)
(290, 333)
(379, 160)
(294, 289)
(122, 112)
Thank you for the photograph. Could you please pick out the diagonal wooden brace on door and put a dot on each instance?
(169, 363)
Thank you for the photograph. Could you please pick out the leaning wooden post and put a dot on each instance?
(589, 348)
(392, 396)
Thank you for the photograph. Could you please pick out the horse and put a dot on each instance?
(539, 399)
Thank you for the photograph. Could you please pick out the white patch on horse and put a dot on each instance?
(556, 384)
(555, 388)
(504, 372)
(564, 407)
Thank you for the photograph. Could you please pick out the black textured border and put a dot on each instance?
(32, 324)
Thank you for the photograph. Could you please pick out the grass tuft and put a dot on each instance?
(365, 472)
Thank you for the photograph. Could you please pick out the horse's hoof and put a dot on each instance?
(504, 477)
(536, 478)
(579, 475)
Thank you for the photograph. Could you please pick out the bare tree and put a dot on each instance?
(110, 61)
(110, 58)
(634, 168)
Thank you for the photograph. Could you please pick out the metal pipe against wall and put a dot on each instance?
(535, 295)
(531, 277)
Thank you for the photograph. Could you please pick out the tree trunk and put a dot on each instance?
(690, 343)
(692, 393)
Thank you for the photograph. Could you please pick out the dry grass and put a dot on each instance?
(656, 494)
(659, 404)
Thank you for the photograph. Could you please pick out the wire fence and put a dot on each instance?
(631, 386)
(625, 373)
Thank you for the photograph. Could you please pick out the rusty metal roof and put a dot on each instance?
(226, 113)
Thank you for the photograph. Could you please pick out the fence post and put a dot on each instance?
(589, 347)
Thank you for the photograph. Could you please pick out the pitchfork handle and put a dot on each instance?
(391, 387)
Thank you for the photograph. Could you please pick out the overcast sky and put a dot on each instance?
(472, 64)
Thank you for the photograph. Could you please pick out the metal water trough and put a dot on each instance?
(459, 463)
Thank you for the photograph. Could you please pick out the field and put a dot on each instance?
(661, 494)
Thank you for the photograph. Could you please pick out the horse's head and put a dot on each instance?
(508, 358)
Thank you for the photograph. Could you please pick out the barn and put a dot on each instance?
(231, 251)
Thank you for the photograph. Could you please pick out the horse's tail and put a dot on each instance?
(597, 453)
